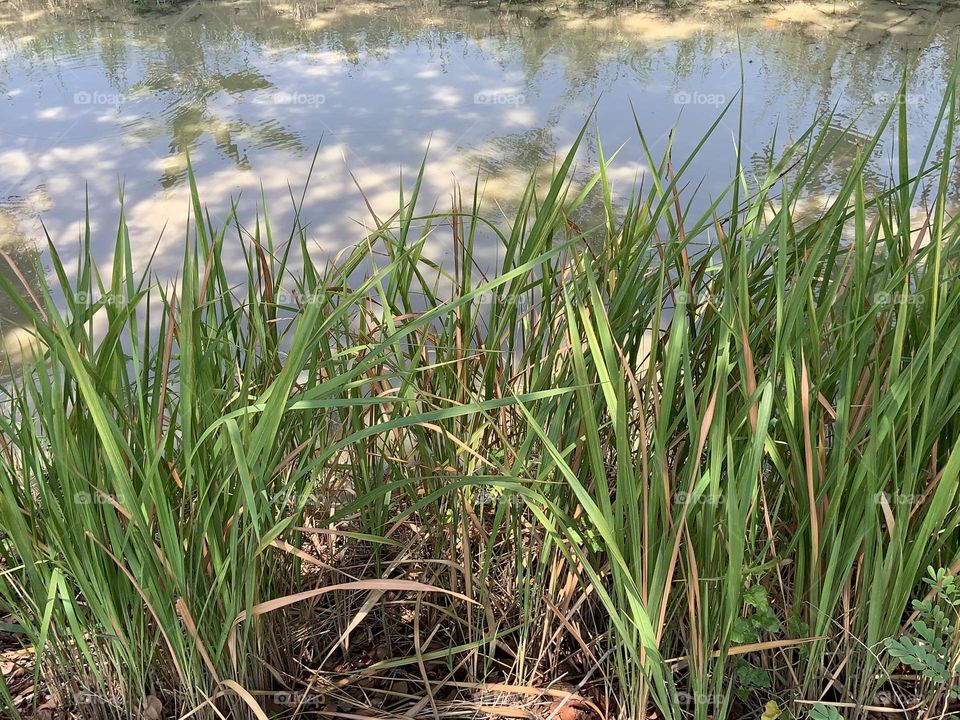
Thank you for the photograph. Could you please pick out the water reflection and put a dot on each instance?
(19, 265)
(102, 93)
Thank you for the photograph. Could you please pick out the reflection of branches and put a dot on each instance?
(518, 152)
(833, 166)
(201, 63)
(20, 259)
(193, 58)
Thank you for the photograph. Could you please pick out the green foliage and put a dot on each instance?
(750, 678)
(824, 712)
(760, 617)
(932, 648)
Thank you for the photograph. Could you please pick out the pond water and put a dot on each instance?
(98, 95)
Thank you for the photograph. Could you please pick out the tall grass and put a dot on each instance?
(690, 464)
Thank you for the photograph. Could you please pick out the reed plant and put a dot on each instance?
(691, 464)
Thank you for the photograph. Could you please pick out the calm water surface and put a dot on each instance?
(105, 95)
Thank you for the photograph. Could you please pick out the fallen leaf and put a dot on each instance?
(772, 711)
(152, 708)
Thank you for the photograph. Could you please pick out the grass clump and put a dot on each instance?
(691, 465)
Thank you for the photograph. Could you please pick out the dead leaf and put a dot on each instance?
(152, 708)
